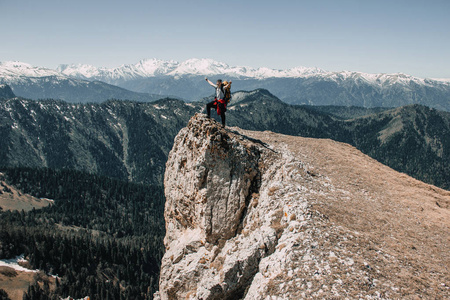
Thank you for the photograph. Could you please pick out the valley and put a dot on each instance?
(131, 140)
(101, 167)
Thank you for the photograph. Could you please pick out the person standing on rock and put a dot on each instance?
(219, 103)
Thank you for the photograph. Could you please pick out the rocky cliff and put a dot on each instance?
(6, 92)
(251, 215)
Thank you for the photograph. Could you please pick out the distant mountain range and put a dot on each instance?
(41, 83)
(185, 80)
(130, 140)
(154, 68)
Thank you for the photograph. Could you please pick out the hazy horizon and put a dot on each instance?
(408, 37)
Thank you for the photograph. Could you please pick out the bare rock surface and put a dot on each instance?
(259, 215)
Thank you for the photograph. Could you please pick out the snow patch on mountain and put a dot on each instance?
(79, 70)
(200, 67)
(16, 68)
(14, 264)
(15, 72)
(379, 79)
(446, 80)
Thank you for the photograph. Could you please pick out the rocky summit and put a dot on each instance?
(259, 215)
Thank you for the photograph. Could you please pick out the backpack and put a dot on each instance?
(227, 95)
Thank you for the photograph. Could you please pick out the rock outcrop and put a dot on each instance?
(257, 215)
(211, 178)
(6, 92)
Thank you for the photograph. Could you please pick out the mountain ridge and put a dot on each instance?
(120, 139)
(256, 215)
(155, 67)
(42, 83)
(131, 140)
(194, 66)
(299, 85)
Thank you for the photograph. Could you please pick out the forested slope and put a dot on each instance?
(101, 237)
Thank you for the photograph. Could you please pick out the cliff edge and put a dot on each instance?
(259, 215)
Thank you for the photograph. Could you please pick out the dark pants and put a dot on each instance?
(214, 105)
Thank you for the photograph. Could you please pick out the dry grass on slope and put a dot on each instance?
(15, 283)
(398, 227)
(13, 199)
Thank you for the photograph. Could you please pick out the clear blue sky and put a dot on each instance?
(380, 36)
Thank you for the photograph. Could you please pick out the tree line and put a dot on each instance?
(102, 237)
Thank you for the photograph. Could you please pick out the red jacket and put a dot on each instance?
(221, 101)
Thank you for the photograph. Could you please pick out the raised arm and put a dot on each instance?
(210, 83)
(228, 85)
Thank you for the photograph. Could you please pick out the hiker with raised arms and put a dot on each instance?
(219, 103)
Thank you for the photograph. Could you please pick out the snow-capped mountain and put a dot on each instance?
(154, 67)
(204, 67)
(15, 71)
(300, 85)
(145, 68)
(41, 83)
(442, 79)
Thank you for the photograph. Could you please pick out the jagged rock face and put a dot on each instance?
(210, 176)
(221, 215)
(279, 217)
